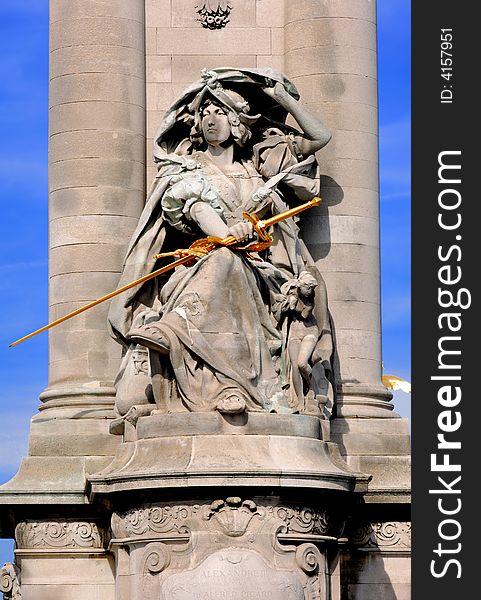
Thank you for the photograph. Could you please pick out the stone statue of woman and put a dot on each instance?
(217, 335)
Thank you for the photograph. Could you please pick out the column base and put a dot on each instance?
(364, 400)
(94, 399)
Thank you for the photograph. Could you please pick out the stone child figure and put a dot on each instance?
(295, 308)
(211, 330)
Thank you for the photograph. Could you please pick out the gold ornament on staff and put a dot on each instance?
(198, 249)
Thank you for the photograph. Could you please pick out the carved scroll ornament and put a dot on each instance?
(59, 534)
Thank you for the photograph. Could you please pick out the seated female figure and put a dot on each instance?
(214, 332)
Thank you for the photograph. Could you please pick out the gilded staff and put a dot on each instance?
(198, 249)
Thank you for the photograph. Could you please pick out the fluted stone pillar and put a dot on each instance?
(96, 188)
(330, 54)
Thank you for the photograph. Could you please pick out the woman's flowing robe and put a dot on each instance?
(218, 314)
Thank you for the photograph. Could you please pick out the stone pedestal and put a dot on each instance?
(205, 505)
(256, 548)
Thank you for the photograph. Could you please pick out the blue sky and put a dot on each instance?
(394, 58)
(23, 197)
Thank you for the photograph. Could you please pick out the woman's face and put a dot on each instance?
(215, 125)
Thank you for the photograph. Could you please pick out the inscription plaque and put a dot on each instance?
(233, 574)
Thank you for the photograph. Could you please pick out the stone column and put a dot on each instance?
(96, 188)
(97, 167)
(330, 54)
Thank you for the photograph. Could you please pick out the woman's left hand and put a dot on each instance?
(278, 92)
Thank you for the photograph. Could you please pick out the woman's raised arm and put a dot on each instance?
(316, 134)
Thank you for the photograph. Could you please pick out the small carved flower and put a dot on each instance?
(261, 193)
(191, 164)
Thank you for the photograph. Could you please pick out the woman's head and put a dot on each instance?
(216, 128)
(220, 115)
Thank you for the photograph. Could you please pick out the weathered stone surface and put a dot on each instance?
(91, 229)
(329, 87)
(158, 14)
(158, 69)
(371, 575)
(69, 591)
(350, 144)
(57, 534)
(70, 145)
(357, 258)
(159, 98)
(186, 69)
(313, 9)
(273, 61)
(57, 573)
(348, 201)
(379, 591)
(158, 546)
(270, 13)
(41, 476)
(343, 116)
(187, 42)
(360, 369)
(376, 426)
(81, 59)
(376, 444)
(341, 229)
(356, 314)
(353, 286)
(241, 574)
(334, 59)
(277, 42)
(74, 258)
(96, 31)
(106, 87)
(151, 41)
(94, 364)
(96, 115)
(102, 171)
(62, 10)
(390, 474)
(355, 33)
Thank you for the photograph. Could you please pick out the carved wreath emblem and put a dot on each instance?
(214, 18)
